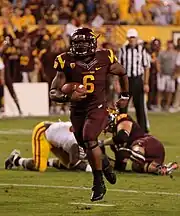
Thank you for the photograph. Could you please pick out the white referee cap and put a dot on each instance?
(132, 33)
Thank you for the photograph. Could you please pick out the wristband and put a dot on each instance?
(124, 95)
(62, 99)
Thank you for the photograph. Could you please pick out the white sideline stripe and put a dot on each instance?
(92, 204)
(85, 188)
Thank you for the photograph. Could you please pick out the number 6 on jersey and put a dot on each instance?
(87, 82)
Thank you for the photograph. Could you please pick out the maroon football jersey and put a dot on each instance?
(136, 131)
(93, 75)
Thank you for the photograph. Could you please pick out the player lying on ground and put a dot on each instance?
(130, 142)
(58, 138)
(85, 65)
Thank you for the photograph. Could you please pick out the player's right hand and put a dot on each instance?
(78, 96)
(53, 93)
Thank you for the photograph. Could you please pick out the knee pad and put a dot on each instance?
(101, 145)
(91, 145)
(121, 137)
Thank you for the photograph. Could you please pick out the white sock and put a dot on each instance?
(21, 160)
(88, 168)
(50, 161)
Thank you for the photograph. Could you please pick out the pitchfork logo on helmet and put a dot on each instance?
(83, 42)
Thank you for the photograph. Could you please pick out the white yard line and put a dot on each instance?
(85, 188)
(16, 131)
(92, 204)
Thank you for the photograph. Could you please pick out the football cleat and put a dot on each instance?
(98, 192)
(109, 174)
(162, 170)
(168, 169)
(171, 167)
(9, 162)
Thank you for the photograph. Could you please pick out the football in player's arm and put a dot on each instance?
(129, 142)
(58, 138)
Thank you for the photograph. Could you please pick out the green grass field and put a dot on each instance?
(58, 193)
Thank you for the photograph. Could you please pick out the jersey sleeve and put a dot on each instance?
(111, 56)
(59, 63)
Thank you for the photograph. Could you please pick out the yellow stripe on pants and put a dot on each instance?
(40, 147)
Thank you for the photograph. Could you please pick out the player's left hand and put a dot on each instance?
(123, 100)
(122, 103)
(78, 96)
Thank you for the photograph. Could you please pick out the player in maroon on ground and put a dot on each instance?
(129, 141)
(84, 64)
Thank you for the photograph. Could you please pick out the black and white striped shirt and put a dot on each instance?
(134, 59)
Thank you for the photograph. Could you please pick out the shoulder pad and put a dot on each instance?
(107, 55)
(111, 56)
(59, 62)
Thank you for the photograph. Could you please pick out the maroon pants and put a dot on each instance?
(88, 124)
(154, 149)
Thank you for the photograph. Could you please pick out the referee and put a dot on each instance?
(135, 60)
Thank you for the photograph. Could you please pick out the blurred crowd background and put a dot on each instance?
(25, 12)
(34, 32)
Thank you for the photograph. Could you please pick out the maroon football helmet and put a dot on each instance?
(83, 42)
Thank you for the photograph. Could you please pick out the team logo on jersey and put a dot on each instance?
(72, 65)
(98, 68)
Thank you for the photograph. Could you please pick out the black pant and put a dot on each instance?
(136, 91)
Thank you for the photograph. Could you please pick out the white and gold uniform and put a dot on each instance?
(56, 137)
(60, 135)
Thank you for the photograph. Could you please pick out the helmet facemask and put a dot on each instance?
(83, 43)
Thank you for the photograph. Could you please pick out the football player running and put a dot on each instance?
(58, 138)
(130, 142)
(84, 64)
